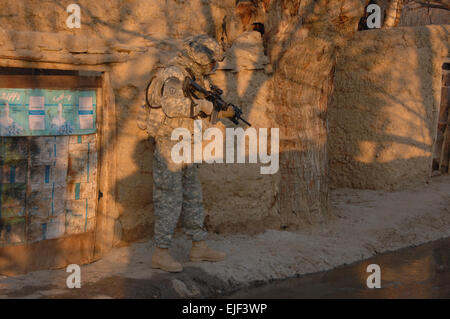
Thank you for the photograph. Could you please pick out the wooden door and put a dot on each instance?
(50, 184)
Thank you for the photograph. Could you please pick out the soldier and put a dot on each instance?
(177, 192)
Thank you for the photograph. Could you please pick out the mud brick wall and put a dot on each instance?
(128, 38)
(417, 13)
(384, 109)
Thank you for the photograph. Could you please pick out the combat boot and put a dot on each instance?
(200, 252)
(162, 260)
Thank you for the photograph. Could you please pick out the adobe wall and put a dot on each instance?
(417, 13)
(383, 113)
(381, 134)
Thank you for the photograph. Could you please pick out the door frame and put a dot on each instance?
(84, 247)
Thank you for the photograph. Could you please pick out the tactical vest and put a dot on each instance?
(151, 115)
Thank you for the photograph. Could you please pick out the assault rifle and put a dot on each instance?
(215, 97)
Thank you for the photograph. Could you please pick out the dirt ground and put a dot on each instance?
(367, 223)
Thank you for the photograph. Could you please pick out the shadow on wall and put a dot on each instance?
(135, 196)
(384, 108)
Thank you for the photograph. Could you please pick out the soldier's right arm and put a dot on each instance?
(173, 101)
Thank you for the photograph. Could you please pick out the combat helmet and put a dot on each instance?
(203, 50)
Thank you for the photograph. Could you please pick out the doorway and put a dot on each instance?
(49, 138)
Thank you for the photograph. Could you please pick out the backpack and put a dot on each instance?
(150, 115)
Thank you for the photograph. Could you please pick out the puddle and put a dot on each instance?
(415, 272)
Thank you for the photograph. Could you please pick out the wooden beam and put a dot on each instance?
(445, 155)
(446, 78)
(106, 209)
(49, 81)
(12, 63)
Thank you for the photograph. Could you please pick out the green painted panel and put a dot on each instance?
(39, 112)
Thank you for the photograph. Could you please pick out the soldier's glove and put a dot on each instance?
(204, 106)
(229, 113)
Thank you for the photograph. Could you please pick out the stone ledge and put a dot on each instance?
(64, 48)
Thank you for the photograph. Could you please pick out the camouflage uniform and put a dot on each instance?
(177, 191)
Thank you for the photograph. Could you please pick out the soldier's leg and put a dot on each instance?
(192, 215)
(167, 194)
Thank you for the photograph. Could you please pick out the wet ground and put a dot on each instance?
(416, 272)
